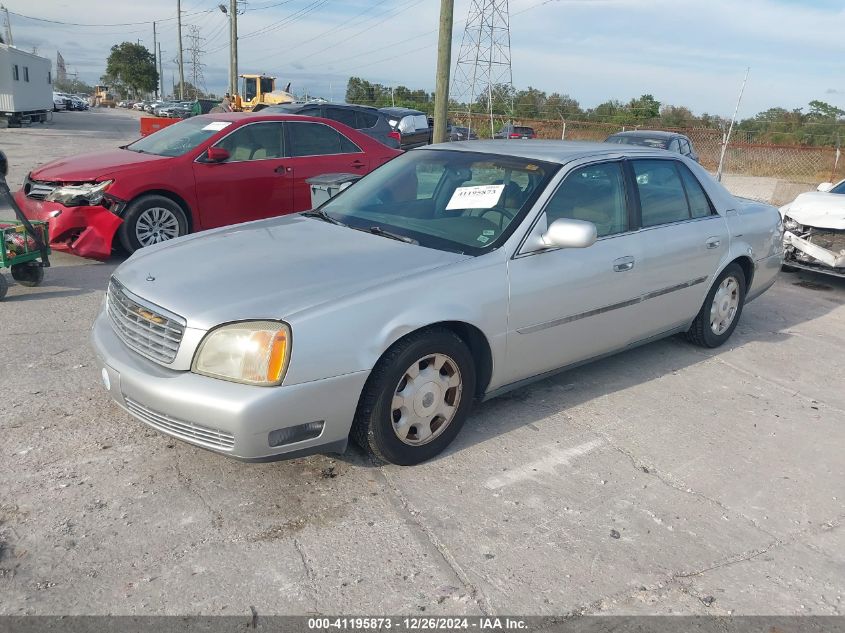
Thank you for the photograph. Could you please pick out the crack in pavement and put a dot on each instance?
(216, 516)
(310, 576)
(474, 592)
(666, 480)
(677, 577)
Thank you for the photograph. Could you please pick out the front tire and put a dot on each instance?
(722, 308)
(417, 398)
(149, 220)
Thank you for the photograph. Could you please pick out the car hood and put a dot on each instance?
(820, 209)
(270, 269)
(92, 166)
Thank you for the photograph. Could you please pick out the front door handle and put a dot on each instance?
(713, 242)
(281, 169)
(357, 164)
(623, 263)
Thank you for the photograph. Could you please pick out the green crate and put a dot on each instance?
(17, 246)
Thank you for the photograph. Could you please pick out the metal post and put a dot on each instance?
(233, 47)
(160, 72)
(8, 25)
(181, 60)
(444, 60)
(731, 128)
(155, 45)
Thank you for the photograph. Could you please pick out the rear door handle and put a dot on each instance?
(623, 263)
(713, 242)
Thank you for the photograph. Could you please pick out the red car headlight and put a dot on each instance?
(89, 193)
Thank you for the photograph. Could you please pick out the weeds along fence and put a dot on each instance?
(794, 163)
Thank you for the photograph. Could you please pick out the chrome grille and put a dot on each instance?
(144, 328)
(188, 431)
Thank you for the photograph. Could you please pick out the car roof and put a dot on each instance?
(648, 134)
(400, 111)
(311, 104)
(549, 151)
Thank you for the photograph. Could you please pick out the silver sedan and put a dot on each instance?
(448, 276)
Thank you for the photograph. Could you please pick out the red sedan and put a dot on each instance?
(201, 173)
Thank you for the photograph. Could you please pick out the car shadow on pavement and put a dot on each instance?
(80, 277)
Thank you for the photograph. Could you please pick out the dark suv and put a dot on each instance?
(411, 125)
(671, 141)
(365, 119)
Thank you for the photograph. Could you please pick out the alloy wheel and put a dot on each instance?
(155, 225)
(725, 305)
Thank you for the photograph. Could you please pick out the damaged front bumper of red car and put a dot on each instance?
(87, 231)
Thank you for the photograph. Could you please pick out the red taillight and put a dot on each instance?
(514, 136)
(533, 136)
(395, 134)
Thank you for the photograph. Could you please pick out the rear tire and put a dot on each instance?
(417, 398)
(149, 220)
(28, 274)
(722, 308)
(4, 286)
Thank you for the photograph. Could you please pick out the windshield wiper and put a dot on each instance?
(377, 230)
(322, 215)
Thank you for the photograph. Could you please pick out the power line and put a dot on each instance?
(50, 21)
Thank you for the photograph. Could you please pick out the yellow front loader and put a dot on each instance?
(258, 92)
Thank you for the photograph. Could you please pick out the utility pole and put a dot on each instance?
(233, 49)
(181, 60)
(155, 46)
(8, 26)
(444, 61)
(160, 72)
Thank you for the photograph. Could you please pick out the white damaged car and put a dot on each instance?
(814, 230)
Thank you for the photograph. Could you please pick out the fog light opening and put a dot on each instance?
(299, 433)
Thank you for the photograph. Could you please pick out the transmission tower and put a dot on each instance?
(195, 54)
(483, 76)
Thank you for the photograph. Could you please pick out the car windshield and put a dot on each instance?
(179, 138)
(456, 201)
(523, 130)
(840, 188)
(657, 143)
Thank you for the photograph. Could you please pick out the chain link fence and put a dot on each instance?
(791, 168)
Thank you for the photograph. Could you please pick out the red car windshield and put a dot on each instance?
(179, 138)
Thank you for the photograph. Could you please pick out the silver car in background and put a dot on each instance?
(447, 276)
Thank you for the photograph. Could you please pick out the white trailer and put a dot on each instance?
(26, 86)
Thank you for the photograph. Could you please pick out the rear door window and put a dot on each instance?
(674, 146)
(420, 122)
(341, 115)
(365, 120)
(662, 196)
(316, 139)
(699, 203)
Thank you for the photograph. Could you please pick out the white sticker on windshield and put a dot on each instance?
(478, 197)
(216, 126)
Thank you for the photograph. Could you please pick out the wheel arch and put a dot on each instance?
(747, 266)
(474, 339)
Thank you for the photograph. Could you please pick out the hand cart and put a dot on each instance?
(23, 244)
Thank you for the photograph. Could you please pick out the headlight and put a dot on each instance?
(252, 352)
(77, 195)
(789, 224)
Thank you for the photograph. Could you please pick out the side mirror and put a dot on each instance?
(217, 155)
(566, 233)
(4, 164)
(825, 187)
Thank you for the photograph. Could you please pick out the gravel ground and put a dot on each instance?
(663, 480)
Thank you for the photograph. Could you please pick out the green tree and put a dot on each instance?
(133, 66)
(73, 86)
(558, 105)
(644, 108)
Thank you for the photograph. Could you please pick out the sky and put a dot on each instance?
(684, 52)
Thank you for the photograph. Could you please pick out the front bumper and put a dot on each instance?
(822, 255)
(87, 231)
(225, 417)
